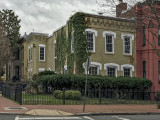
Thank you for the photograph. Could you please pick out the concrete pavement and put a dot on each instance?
(10, 107)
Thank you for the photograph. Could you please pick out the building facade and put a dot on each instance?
(110, 41)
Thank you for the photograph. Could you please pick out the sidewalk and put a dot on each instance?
(54, 110)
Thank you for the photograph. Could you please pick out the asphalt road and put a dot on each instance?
(103, 117)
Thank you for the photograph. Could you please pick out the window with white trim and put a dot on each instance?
(41, 52)
(41, 69)
(94, 69)
(111, 69)
(31, 53)
(109, 44)
(90, 36)
(127, 70)
(55, 56)
(72, 43)
(127, 43)
(109, 41)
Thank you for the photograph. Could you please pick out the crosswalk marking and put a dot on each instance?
(47, 118)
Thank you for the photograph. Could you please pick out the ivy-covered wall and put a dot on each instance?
(76, 26)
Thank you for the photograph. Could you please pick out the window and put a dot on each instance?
(94, 69)
(17, 72)
(109, 41)
(127, 43)
(111, 69)
(127, 70)
(55, 56)
(158, 35)
(90, 41)
(31, 53)
(41, 52)
(90, 36)
(159, 72)
(72, 43)
(109, 44)
(144, 69)
(41, 69)
(65, 69)
(144, 36)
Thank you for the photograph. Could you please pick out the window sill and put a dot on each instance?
(41, 60)
(109, 53)
(127, 54)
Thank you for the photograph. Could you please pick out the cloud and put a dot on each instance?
(46, 15)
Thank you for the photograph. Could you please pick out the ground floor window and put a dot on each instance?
(127, 72)
(93, 70)
(111, 71)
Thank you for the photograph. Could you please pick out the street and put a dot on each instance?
(100, 117)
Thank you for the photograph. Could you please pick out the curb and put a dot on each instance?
(11, 113)
(92, 114)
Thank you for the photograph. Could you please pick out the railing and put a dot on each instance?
(97, 96)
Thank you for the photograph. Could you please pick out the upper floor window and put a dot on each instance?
(127, 43)
(144, 36)
(144, 69)
(127, 70)
(41, 52)
(90, 36)
(55, 56)
(30, 53)
(111, 69)
(159, 72)
(109, 41)
(158, 35)
(72, 42)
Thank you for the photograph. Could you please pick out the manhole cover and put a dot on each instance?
(15, 108)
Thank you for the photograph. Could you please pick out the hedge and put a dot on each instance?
(59, 81)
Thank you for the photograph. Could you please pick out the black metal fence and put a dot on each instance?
(12, 92)
(96, 96)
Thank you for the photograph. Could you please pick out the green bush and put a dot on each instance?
(46, 73)
(58, 94)
(59, 81)
(73, 95)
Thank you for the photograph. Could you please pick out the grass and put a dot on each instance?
(49, 99)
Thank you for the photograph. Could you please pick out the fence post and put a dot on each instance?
(99, 94)
(63, 96)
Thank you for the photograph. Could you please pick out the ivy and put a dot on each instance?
(61, 50)
(75, 59)
(78, 25)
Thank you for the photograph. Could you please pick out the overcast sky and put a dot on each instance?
(46, 15)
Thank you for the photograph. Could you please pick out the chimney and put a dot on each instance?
(120, 7)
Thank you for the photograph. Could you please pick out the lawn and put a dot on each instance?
(49, 99)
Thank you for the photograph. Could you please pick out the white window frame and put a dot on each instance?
(131, 36)
(72, 42)
(114, 65)
(110, 33)
(31, 50)
(29, 53)
(131, 67)
(55, 57)
(94, 32)
(42, 46)
(41, 69)
(94, 64)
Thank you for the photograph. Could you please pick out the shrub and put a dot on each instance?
(46, 73)
(72, 94)
(58, 94)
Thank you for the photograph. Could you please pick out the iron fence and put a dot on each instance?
(95, 96)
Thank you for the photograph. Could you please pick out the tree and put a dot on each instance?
(5, 51)
(12, 25)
